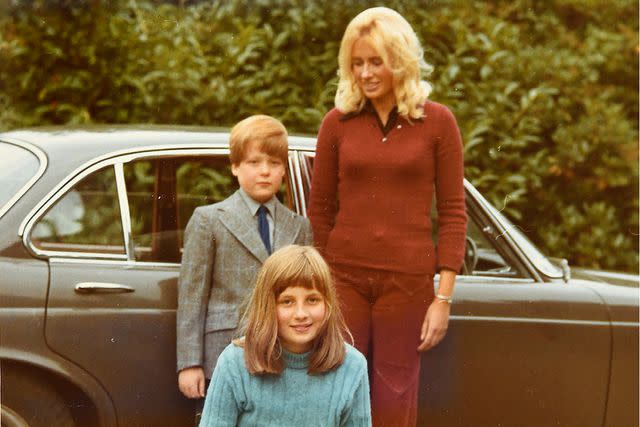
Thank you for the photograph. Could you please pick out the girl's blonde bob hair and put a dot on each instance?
(291, 266)
(398, 46)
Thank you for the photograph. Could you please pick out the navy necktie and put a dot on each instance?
(263, 227)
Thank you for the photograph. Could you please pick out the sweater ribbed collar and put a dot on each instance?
(368, 108)
(296, 360)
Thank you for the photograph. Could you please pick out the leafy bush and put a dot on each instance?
(545, 93)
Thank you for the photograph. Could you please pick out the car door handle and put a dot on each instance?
(102, 288)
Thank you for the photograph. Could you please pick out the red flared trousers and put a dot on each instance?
(384, 311)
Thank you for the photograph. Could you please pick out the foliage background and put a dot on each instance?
(545, 92)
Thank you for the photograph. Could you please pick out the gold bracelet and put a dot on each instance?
(444, 298)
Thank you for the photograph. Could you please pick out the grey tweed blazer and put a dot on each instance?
(222, 255)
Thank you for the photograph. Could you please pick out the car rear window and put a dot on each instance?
(17, 166)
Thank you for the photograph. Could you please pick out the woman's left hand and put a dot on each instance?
(435, 324)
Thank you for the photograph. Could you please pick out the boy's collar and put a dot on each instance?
(253, 205)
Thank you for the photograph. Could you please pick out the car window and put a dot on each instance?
(482, 257)
(17, 166)
(86, 219)
(164, 191)
(530, 250)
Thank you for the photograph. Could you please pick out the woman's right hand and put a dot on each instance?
(435, 324)
(191, 382)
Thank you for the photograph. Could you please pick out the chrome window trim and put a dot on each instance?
(502, 231)
(310, 153)
(490, 280)
(125, 214)
(64, 259)
(506, 248)
(49, 201)
(292, 171)
(77, 255)
(122, 156)
(625, 324)
(131, 153)
(302, 204)
(505, 230)
(44, 162)
(302, 143)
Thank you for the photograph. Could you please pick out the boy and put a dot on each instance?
(226, 244)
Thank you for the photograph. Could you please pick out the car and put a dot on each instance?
(91, 231)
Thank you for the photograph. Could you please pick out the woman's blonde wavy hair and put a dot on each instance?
(398, 46)
(292, 265)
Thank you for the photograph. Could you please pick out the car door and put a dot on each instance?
(113, 237)
(519, 351)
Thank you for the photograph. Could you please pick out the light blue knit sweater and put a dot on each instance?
(294, 398)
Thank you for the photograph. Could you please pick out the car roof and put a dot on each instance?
(97, 140)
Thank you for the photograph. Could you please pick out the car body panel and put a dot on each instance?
(82, 325)
(623, 399)
(505, 341)
(523, 347)
(23, 319)
(620, 300)
(135, 329)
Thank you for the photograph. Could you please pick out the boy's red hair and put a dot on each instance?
(269, 133)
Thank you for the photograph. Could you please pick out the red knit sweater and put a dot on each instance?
(371, 198)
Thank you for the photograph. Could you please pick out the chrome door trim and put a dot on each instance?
(44, 162)
(102, 288)
(540, 320)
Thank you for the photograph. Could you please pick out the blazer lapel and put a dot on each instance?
(286, 227)
(237, 219)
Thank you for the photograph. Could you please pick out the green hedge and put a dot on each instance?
(545, 92)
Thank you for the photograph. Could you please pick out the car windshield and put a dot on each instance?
(18, 166)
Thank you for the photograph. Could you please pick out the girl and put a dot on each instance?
(293, 367)
(381, 153)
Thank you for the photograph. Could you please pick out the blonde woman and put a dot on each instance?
(381, 153)
(292, 367)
